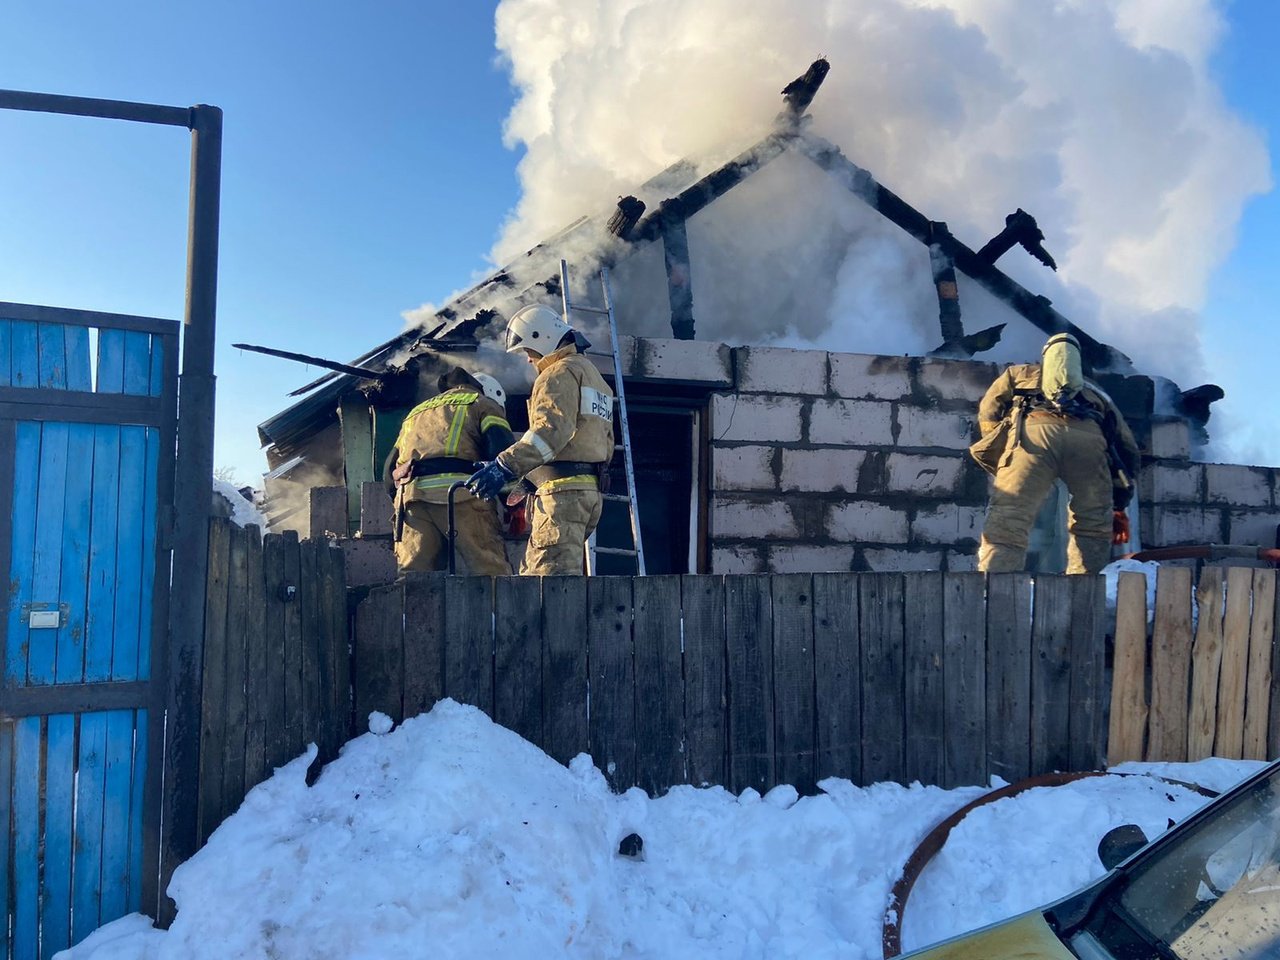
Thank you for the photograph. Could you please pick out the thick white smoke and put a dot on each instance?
(1100, 117)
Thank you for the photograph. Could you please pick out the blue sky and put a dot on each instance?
(363, 174)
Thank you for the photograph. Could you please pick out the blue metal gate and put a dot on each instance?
(87, 417)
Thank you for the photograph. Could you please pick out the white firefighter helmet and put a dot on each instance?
(536, 328)
(492, 388)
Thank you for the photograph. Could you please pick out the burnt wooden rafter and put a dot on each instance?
(1035, 309)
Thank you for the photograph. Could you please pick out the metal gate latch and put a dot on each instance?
(45, 616)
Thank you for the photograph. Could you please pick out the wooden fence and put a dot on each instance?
(1206, 681)
(752, 681)
(276, 662)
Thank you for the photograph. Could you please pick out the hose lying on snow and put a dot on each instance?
(891, 931)
(1207, 551)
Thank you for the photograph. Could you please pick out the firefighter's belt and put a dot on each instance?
(1054, 415)
(434, 465)
(563, 470)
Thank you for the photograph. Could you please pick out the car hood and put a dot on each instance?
(1028, 937)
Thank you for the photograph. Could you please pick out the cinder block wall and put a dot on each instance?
(829, 461)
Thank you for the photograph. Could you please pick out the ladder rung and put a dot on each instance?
(617, 497)
(617, 447)
(601, 310)
(616, 551)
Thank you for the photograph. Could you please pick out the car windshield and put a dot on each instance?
(1215, 891)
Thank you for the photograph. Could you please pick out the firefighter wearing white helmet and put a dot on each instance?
(1043, 422)
(439, 444)
(564, 455)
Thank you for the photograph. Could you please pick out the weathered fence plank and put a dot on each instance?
(880, 625)
(1206, 665)
(255, 671)
(424, 641)
(965, 656)
(1257, 703)
(705, 698)
(517, 645)
(1088, 605)
(468, 646)
(1170, 666)
(309, 630)
(276, 740)
(794, 716)
(837, 675)
(1128, 723)
(611, 666)
(564, 674)
(1050, 674)
(924, 694)
(659, 699)
(213, 699)
(293, 707)
(1273, 725)
(1008, 711)
(335, 663)
(748, 615)
(233, 785)
(1229, 737)
(379, 655)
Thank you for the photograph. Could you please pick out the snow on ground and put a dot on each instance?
(452, 837)
(243, 512)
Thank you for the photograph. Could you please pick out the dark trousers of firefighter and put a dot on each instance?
(559, 525)
(1073, 451)
(424, 547)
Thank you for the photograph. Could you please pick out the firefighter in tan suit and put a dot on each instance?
(564, 456)
(1060, 428)
(439, 444)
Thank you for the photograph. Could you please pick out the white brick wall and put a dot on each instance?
(856, 423)
(755, 417)
(776, 370)
(800, 558)
(1238, 486)
(947, 523)
(924, 476)
(700, 361)
(1170, 440)
(956, 379)
(921, 427)
(858, 376)
(1161, 483)
(736, 559)
(750, 520)
(826, 470)
(866, 522)
(743, 468)
(879, 559)
(1254, 528)
(1184, 525)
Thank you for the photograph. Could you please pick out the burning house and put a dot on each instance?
(754, 457)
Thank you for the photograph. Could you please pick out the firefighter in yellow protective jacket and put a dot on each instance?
(564, 456)
(439, 444)
(1059, 427)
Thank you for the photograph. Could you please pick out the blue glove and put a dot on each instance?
(487, 482)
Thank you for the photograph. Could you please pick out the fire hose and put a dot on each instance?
(891, 930)
(1208, 551)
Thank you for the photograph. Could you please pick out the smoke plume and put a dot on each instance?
(1100, 117)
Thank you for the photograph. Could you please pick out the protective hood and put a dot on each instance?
(1061, 372)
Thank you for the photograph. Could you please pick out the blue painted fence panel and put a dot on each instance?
(87, 856)
(77, 348)
(6, 335)
(26, 837)
(149, 505)
(157, 366)
(52, 340)
(133, 897)
(24, 358)
(101, 612)
(60, 772)
(111, 361)
(26, 481)
(128, 571)
(70, 663)
(137, 362)
(46, 576)
(6, 830)
(117, 804)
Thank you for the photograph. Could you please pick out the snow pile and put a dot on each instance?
(453, 837)
(243, 511)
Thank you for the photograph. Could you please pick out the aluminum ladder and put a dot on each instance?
(636, 551)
